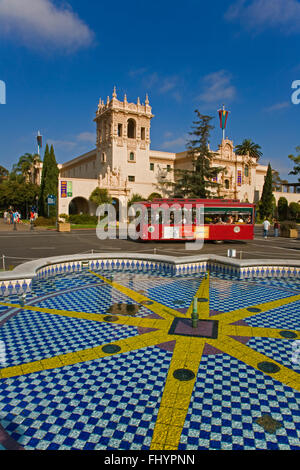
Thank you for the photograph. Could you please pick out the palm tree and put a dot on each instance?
(100, 196)
(249, 147)
(135, 198)
(25, 165)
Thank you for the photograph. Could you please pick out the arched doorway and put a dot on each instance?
(116, 204)
(79, 205)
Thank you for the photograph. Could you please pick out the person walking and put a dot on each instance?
(276, 228)
(266, 226)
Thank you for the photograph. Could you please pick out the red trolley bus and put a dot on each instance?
(222, 220)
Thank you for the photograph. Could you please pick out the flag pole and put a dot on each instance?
(223, 114)
(223, 127)
(39, 142)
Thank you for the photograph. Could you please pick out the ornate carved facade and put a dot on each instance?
(124, 164)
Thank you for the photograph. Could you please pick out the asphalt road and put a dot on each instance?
(20, 246)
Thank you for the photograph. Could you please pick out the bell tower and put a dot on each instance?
(123, 137)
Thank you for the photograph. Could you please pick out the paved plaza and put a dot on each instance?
(23, 245)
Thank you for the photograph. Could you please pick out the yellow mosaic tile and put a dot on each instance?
(160, 433)
(51, 363)
(179, 416)
(31, 367)
(69, 359)
(13, 371)
(173, 436)
(164, 415)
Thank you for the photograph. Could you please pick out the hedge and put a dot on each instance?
(45, 222)
(83, 219)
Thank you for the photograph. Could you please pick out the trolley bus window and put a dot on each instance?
(229, 217)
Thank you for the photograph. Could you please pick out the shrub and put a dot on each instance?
(154, 196)
(44, 221)
(282, 208)
(83, 219)
(288, 225)
(65, 217)
(294, 210)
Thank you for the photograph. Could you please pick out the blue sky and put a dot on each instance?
(58, 58)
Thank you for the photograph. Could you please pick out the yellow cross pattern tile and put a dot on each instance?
(187, 353)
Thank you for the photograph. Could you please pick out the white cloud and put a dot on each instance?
(137, 72)
(175, 143)
(259, 14)
(217, 88)
(87, 137)
(74, 142)
(278, 106)
(62, 144)
(42, 24)
(168, 83)
(168, 134)
(161, 84)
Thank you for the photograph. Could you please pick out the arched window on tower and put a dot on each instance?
(246, 171)
(226, 184)
(131, 129)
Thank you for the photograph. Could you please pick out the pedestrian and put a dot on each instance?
(266, 226)
(32, 219)
(276, 228)
(5, 216)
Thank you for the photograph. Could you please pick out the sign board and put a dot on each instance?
(63, 189)
(69, 189)
(66, 189)
(51, 200)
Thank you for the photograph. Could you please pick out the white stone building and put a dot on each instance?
(124, 163)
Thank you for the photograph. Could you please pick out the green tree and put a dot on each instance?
(4, 173)
(22, 170)
(20, 195)
(277, 181)
(282, 208)
(135, 198)
(100, 196)
(266, 202)
(294, 210)
(154, 196)
(296, 160)
(249, 147)
(199, 181)
(49, 183)
(274, 207)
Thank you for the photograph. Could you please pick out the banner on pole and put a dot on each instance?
(223, 115)
(63, 189)
(69, 189)
(239, 178)
(39, 140)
